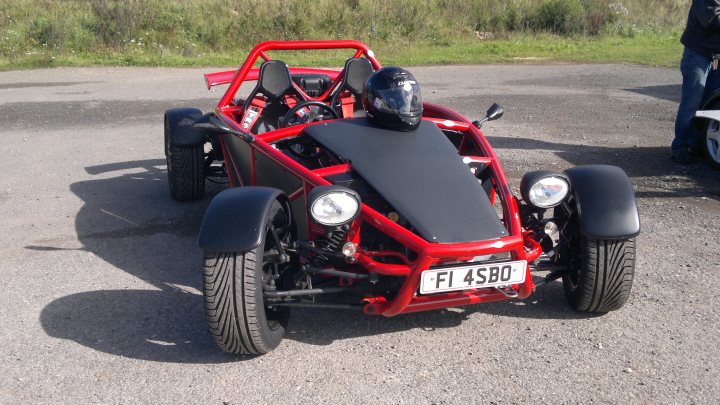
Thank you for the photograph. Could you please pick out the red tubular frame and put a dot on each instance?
(219, 78)
(261, 51)
(520, 244)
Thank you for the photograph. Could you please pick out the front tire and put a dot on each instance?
(239, 319)
(601, 277)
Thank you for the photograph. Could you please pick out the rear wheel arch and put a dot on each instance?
(714, 98)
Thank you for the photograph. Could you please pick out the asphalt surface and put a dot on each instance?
(101, 274)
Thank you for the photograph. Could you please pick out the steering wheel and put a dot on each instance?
(311, 116)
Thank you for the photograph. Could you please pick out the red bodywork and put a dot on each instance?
(519, 243)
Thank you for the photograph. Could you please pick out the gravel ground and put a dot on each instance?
(101, 272)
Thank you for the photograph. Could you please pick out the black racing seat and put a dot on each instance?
(356, 71)
(276, 85)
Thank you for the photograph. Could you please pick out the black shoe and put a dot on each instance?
(684, 156)
(697, 150)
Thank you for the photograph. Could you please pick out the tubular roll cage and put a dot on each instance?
(520, 244)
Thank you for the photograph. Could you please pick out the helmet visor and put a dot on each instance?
(403, 98)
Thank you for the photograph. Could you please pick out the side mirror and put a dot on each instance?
(494, 112)
(210, 124)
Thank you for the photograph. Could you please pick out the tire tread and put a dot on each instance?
(187, 176)
(231, 306)
(607, 272)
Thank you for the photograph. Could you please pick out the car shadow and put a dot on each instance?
(323, 327)
(151, 325)
(129, 221)
(668, 92)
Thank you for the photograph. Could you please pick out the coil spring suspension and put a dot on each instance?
(332, 244)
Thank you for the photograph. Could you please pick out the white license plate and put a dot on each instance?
(480, 275)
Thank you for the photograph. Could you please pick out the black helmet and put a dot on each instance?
(391, 98)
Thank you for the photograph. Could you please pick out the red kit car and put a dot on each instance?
(327, 210)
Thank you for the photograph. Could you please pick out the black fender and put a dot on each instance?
(236, 218)
(179, 122)
(701, 122)
(605, 201)
(712, 99)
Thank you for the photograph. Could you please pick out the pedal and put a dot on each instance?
(507, 291)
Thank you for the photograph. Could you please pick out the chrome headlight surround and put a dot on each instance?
(333, 205)
(544, 189)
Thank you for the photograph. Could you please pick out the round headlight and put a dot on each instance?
(333, 205)
(544, 189)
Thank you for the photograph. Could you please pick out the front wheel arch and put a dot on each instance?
(235, 219)
(239, 319)
(605, 202)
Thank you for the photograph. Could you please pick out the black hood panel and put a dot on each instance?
(420, 174)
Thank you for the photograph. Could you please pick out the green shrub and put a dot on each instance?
(512, 18)
(114, 22)
(562, 17)
(44, 32)
(600, 14)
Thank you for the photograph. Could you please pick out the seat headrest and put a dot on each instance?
(274, 80)
(357, 70)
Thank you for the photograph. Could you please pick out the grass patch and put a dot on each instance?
(648, 49)
(48, 33)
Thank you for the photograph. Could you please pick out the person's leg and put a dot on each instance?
(694, 68)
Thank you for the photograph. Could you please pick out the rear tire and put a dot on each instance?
(602, 278)
(235, 309)
(185, 167)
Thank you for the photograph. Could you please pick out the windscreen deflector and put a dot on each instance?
(420, 174)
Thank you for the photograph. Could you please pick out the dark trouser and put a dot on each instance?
(699, 81)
